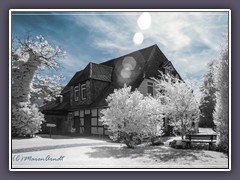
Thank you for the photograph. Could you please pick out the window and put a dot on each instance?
(150, 88)
(61, 99)
(76, 93)
(83, 91)
(70, 117)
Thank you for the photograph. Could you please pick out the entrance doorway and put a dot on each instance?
(87, 124)
(77, 124)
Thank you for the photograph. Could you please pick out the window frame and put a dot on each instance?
(83, 88)
(76, 93)
(150, 85)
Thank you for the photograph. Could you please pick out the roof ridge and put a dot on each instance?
(139, 50)
(152, 52)
(100, 64)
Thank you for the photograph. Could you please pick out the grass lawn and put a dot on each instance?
(76, 152)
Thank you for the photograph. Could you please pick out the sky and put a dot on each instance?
(190, 40)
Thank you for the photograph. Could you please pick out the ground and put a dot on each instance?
(75, 152)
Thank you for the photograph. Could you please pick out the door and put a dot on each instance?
(87, 124)
(77, 124)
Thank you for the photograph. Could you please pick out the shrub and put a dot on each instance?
(26, 120)
(131, 116)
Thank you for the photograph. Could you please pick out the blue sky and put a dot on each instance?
(188, 39)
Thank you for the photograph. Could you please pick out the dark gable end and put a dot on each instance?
(155, 62)
(148, 63)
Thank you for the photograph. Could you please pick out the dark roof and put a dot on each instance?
(148, 63)
(130, 69)
(101, 72)
(55, 106)
(92, 71)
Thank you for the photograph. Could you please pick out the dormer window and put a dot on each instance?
(83, 91)
(76, 93)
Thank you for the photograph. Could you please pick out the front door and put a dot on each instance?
(87, 124)
(77, 124)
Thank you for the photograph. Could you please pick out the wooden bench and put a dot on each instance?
(200, 138)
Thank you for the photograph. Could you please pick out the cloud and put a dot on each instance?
(189, 40)
(72, 64)
(110, 33)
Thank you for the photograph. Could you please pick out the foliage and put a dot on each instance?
(26, 119)
(208, 100)
(28, 57)
(181, 106)
(221, 113)
(45, 89)
(131, 116)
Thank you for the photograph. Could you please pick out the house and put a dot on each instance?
(78, 110)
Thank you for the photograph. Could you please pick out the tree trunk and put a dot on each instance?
(22, 79)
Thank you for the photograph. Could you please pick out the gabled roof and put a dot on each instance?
(92, 71)
(130, 69)
(148, 63)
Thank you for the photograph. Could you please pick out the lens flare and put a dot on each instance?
(138, 38)
(125, 73)
(129, 63)
(144, 21)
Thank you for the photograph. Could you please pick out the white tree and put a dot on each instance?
(131, 116)
(153, 116)
(26, 119)
(181, 106)
(45, 89)
(29, 56)
(221, 113)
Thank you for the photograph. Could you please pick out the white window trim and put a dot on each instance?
(76, 90)
(83, 87)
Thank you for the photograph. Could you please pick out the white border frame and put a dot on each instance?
(120, 10)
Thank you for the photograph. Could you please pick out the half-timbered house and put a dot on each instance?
(82, 99)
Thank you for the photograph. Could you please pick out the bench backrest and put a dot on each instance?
(201, 137)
